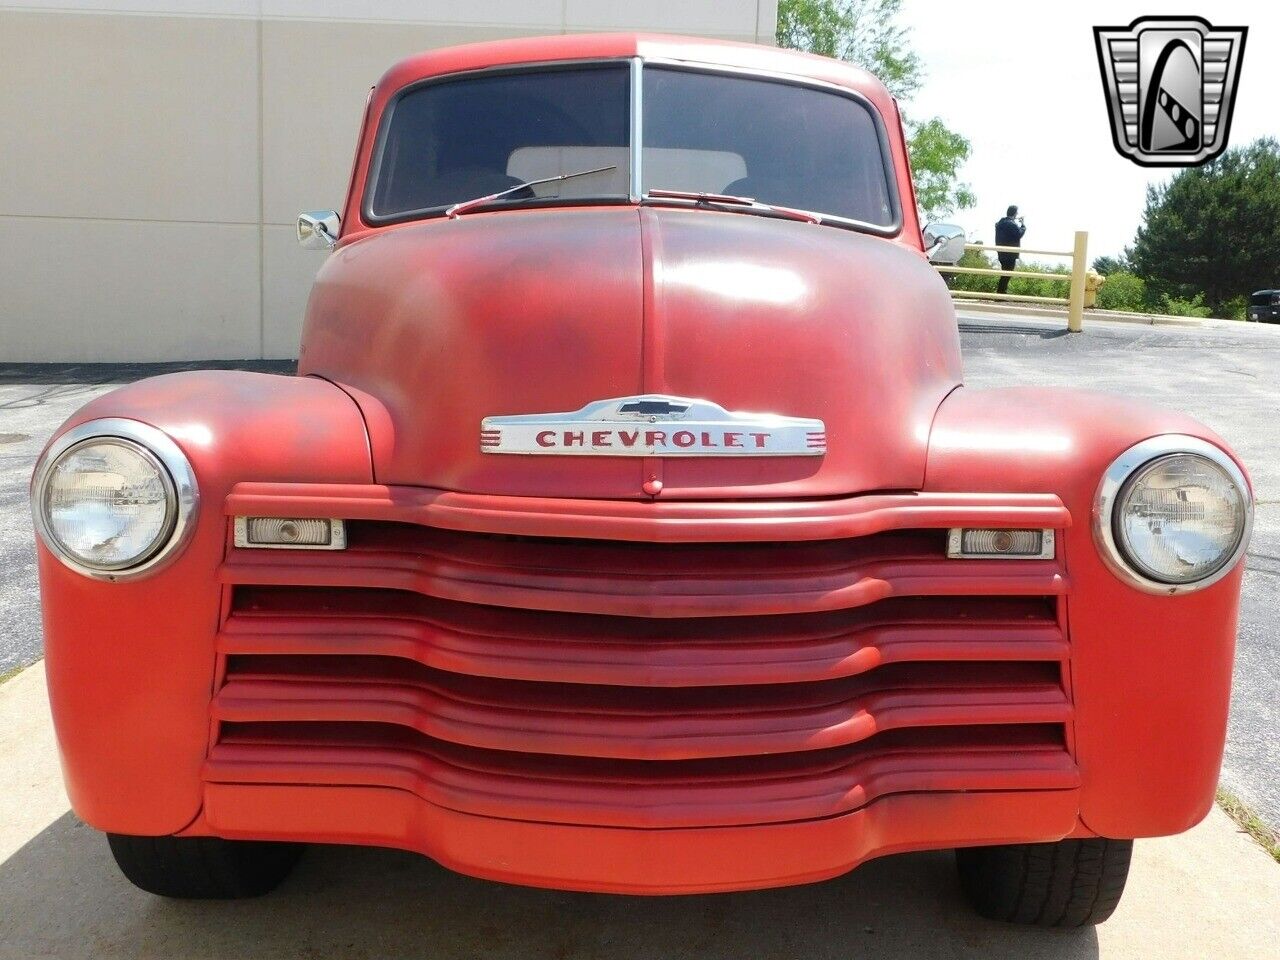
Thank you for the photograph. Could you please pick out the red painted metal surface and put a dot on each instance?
(704, 583)
(131, 665)
(547, 310)
(606, 859)
(650, 794)
(1151, 675)
(636, 723)
(661, 522)
(653, 676)
(492, 642)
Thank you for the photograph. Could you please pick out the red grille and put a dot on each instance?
(515, 676)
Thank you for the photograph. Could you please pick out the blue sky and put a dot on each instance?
(1021, 81)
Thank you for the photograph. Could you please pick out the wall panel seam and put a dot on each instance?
(262, 212)
(174, 220)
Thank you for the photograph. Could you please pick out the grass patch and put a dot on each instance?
(10, 674)
(1250, 822)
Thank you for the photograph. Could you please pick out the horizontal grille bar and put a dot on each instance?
(647, 580)
(646, 794)
(580, 648)
(637, 723)
(643, 520)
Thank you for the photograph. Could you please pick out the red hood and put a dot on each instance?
(440, 324)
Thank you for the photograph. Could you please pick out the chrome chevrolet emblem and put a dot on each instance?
(1171, 86)
(654, 426)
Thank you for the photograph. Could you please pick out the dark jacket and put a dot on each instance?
(1009, 232)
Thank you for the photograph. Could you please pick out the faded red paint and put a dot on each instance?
(549, 668)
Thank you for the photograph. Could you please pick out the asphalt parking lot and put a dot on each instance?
(1226, 375)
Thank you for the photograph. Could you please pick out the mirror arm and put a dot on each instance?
(319, 229)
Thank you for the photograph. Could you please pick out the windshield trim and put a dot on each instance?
(890, 229)
(373, 219)
(636, 147)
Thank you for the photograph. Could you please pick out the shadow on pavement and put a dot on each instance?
(62, 897)
(1044, 333)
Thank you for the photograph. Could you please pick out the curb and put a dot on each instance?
(1113, 316)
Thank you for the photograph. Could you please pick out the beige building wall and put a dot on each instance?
(154, 154)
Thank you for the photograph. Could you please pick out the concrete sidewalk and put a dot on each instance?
(1211, 893)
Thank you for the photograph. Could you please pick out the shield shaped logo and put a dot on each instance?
(1170, 84)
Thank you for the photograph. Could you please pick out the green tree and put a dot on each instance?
(1109, 265)
(866, 33)
(1213, 230)
(858, 31)
(936, 155)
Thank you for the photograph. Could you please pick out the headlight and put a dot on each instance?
(1173, 514)
(113, 498)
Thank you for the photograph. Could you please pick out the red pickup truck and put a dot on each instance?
(628, 526)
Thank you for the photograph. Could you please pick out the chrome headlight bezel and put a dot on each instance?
(1113, 484)
(179, 479)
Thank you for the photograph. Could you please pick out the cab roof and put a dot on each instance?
(606, 46)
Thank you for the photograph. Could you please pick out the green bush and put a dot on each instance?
(1037, 287)
(1123, 291)
(1179, 307)
(1023, 286)
(973, 282)
(1236, 308)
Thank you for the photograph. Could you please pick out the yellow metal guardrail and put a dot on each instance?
(1073, 301)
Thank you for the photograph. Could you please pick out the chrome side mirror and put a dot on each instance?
(944, 243)
(318, 230)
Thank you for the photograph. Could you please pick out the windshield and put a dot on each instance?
(455, 140)
(775, 142)
(466, 138)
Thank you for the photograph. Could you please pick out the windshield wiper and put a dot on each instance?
(458, 209)
(730, 201)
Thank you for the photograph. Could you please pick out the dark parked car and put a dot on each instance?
(1264, 306)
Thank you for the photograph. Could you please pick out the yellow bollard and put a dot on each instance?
(1075, 302)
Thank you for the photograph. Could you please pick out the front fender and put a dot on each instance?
(1150, 675)
(131, 664)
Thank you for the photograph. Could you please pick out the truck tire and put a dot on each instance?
(1071, 883)
(202, 868)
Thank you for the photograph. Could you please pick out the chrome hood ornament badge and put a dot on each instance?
(654, 425)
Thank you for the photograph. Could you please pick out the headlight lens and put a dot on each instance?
(109, 503)
(1180, 518)
(114, 498)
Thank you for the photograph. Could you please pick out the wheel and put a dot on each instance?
(1071, 883)
(202, 868)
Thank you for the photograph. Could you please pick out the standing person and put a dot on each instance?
(1009, 231)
